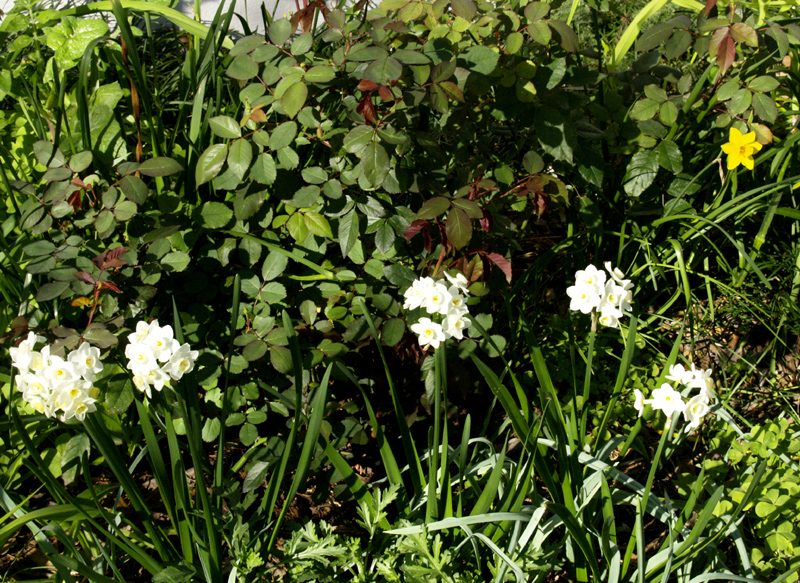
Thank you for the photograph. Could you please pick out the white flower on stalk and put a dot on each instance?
(157, 378)
(455, 325)
(59, 371)
(86, 361)
(182, 361)
(638, 402)
(678, 374)
(666, 399)
(437, 300)
(140, 382)
(21, 354)
(141, 359)
(609, 318)
(591, 276)
(161, 341)
(40, 359)
(417, 293)
(699, 378)
(33, 387)
(694, 411)
(584, 297)
(142, 331)
(457, 303)
(459, 281)
(430, 333)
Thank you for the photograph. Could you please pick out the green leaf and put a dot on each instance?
(209, 433)
(297, 227)
(765, 107)
(176, 573)
(392, 331)
(240, 155)
(358, 138)
(125, 210)
(514, 42)
(740, 101)
(294, 98)
(669, 113)
(242, 68)
(209, 164)
(301, 44)
(215, 215)
(470, 207)
(567, 37)
(670, 157)
(119, 394)
(375, 164)
(247, 45)
(280, 31)
(320, 74)
(466, 9)
(727, 89)
(160, 166)
(348, 232)
(458, 228)
(399, 275)
(99, 335)
(264, 171)
(318, 225)
(225, 127)
(255, 476)
(134, 189)
(308, 311)
(532, 162)
(283, 135)
(480, 59)
(644, 109)
(175, 261)
(384, 238)
(77, 446)
(764, 83)
(38, 248)
(314, 175)
(433, 207)
(536, 11)
(409, 57)
(51, 291)
(641, 172)
(48, 155)
(281, 358)
(254, 350)
(80, 161)
(274, 265)
(540, 32)
(556, 135)
(383, 70)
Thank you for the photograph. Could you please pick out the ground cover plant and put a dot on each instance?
(420, 291)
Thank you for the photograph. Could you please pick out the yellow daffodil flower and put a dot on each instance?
(740, 149)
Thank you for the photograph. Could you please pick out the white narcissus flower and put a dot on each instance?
(86, 360)
(459, 281)
(437, 300)
(457, 303)
(430, 333)
(162, 342)
(140, 382)
(585, 297)
(455, 325)
(417, 293)
(140, 359)
(142, 331)
(21, 354)
(666, 399)
(678, 374)
(182, 361)
(694, 411)
(591, 276)
(638, 402)
(609, 318)
(59, 371)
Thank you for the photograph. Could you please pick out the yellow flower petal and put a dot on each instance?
(735, 136)
(749, 138)
(756, 146)
(748, 162)
(734, 160)
(729, 148)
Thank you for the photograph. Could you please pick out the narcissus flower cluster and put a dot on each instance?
(669, 400)
(56, 386)
(443, 302)
(155, 357)
(609, 296)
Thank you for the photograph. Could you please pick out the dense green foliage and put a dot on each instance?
(272, 197)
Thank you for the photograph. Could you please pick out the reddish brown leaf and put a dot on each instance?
(84, 277)
(501, 262)
(75, 200)
(486, 221)
(105, 284)
(709, 5)
(110, 258)
(540, 201)
(367, 109)
(415, 228)
(474, 269)
(726, 53)
(258, 116)
(367, 85)
(385, 93)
